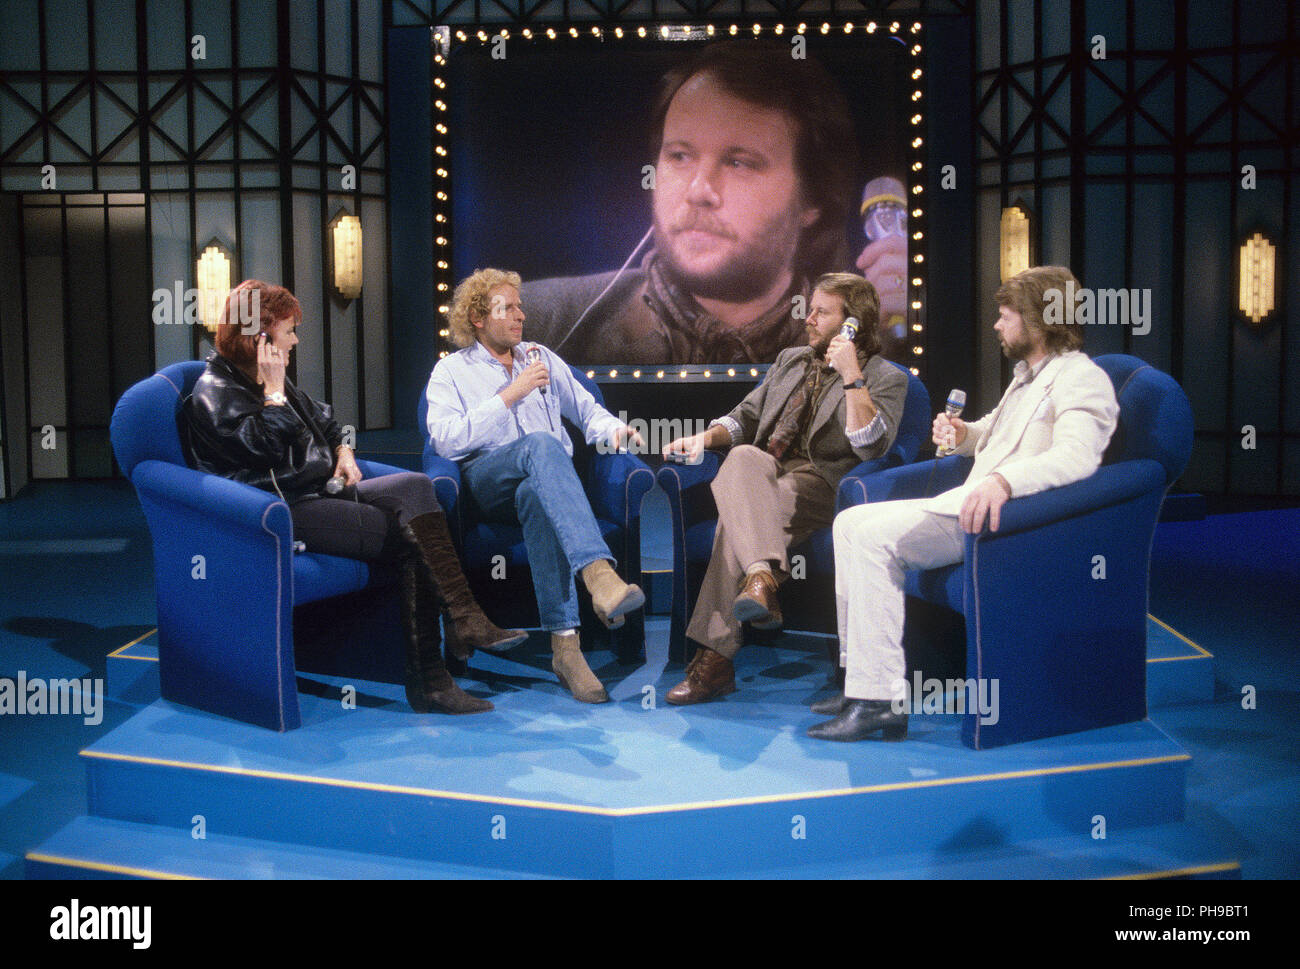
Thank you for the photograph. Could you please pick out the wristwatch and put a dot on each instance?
(856, 385)
(276, 398)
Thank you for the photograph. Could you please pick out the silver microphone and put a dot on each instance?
(849, 328)
(953, 408)
(335, 484)
(531, 356)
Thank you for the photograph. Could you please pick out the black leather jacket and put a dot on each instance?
(227, 430)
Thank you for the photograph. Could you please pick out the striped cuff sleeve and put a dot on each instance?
(865, 436)
(733, 428)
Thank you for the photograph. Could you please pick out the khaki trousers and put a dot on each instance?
(764, 508)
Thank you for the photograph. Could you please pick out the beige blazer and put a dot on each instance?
(1059, 434)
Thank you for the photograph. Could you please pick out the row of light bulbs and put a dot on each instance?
(666, 32)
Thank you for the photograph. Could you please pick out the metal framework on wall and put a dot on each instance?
(249, 125)
(1051, 96)
(587, 12)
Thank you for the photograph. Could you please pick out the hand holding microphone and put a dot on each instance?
(534, 355)
(949, 432)
(842, 354)
(534, 376)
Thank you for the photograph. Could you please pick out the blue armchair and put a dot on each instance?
(231, 591)
(615, 484)
(1055, 602)
(694, 519)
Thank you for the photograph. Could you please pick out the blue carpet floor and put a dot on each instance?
(78, 584)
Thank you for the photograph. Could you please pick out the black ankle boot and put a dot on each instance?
(859, 719)
(468, 628)
(429, 686)
(829, 707)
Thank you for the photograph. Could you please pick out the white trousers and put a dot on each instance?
(875, 545)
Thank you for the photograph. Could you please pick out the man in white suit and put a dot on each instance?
(1050, 429)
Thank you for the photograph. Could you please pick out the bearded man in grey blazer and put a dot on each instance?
(1050, 429)
(822, 409)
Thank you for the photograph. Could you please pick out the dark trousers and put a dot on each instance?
(367, 525)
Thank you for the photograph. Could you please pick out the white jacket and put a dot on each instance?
(1058, 435)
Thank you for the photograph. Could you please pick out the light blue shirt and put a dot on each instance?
(467, 416)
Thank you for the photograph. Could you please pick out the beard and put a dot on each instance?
(1017, 350)
(749, 269)
(821, 343)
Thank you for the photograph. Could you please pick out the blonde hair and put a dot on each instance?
(470, 302)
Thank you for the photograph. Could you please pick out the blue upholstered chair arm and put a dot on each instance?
(1109, 485)
(616, 486)
(851, 490)
(229, 505)
(924, 479)
(446, 485)
(690, 497)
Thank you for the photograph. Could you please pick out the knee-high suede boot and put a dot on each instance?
(468, 628)
(429, 686)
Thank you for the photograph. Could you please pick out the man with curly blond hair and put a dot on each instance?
(498, 413)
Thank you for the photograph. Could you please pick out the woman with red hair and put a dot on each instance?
(246, 420)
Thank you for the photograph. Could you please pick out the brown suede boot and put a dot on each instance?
(611, 597)
(429, 686)
(468, 628)
(571, 667)
(708, 676)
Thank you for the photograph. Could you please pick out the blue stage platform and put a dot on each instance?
(544, 787)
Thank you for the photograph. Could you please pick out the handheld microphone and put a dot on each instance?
(531, 356)
(956, 403)
(849, 328)
(335, 484)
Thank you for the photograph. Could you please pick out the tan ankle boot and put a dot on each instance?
(611, 597)
(571, 667)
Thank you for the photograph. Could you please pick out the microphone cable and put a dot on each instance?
(622, 269)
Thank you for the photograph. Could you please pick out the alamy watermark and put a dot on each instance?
(188, 307)
(656, 434)
(34, 696)
(931, 695)
(1100, 307)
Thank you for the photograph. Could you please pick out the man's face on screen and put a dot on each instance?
(503, 327)
(728, 209)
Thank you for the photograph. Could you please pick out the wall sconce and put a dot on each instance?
(213, 283)
(1258, 278)
(1014, 241)
(344, 243)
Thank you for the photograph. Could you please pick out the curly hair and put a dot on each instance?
(470, 302)
(860, 300)
(233, 339)
(1028, 292)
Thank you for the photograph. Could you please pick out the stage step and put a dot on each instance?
(96, 848)
(1178, 670)
(99, 848)
(544, 785)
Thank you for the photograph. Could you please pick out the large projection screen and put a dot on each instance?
(670, 202)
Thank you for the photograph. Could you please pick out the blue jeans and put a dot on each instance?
(532, 482)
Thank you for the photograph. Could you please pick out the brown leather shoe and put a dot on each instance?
(709, 676)
(758, 603)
